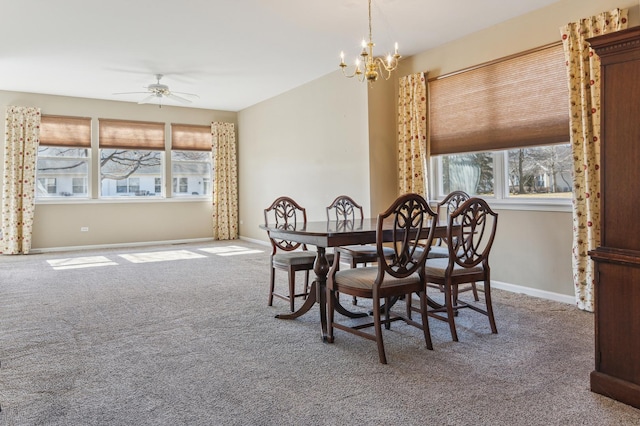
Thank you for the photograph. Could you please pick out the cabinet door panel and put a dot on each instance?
(621, 155)
(618, 322)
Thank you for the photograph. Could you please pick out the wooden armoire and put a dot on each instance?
(617, 260)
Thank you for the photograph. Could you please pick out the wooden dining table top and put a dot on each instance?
(334, 233)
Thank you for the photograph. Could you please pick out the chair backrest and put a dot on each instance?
(285, 213)
(406, 220)
(344, 208)
(452, 201)
(471, 228)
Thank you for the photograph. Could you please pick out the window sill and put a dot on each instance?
(542, 205)
(123, 200)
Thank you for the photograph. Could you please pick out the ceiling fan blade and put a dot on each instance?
(128, 93)
(147, 99)
(186, 94)
(178, 98)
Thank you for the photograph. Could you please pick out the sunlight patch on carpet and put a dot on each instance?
(161, 256)
(80, 262)
(230, 250)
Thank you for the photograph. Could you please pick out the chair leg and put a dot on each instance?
(425, 318)
(354, 301)
(475, 292)
(378, 326)
(487, 298)
(272, 283)
(408, 305)
(292, 289)
(387, 304)
(306, 284)
(330, 312)
(448, 300)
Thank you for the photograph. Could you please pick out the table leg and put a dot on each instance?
(317, 293)
(308, 303)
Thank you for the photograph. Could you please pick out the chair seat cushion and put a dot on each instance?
(298, 257)
(363, 278)
(364, 250)
(437, 267)
(438, 251)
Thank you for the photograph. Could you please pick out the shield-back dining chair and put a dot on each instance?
(345, 209)
(288, 256)
(471, 229)
(401, 274)
(448, 205)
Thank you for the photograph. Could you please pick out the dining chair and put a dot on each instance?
(286, 255)
(471, 229)
(345, 209)
(405, 221)
(449, 204)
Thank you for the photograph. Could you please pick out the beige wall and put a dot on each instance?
(310, 143)
(58, 225)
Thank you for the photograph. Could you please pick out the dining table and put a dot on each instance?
(333, 233)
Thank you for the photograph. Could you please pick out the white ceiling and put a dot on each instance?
(232, 53)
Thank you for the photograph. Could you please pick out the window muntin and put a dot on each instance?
(127, 173)
(59, 169)
(191, 171)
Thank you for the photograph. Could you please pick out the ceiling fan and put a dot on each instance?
(159, 91)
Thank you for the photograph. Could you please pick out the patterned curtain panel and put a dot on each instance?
(583, 70)
(22, 130)
(412, 135)
(225, 182)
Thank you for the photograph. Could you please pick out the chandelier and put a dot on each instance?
(368, 67)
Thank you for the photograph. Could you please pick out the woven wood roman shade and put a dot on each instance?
(57, 130)
(510, 103)
(127, 134)
(188, 137)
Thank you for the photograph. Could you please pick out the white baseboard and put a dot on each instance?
(254, 241)
(119, 245)
(543, 294)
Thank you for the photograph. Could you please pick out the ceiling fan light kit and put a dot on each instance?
(159, 91)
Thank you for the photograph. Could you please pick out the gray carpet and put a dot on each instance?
(192, 342)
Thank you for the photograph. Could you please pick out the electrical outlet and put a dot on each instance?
(84, 229)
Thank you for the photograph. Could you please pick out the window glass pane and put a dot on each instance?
(191, 172)
(543, 171)
(471, 173)
(60, 171)
(126, 173)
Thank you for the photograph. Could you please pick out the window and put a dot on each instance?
(63, 165)
(500, 129)
(131, 158)
(191, 160)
